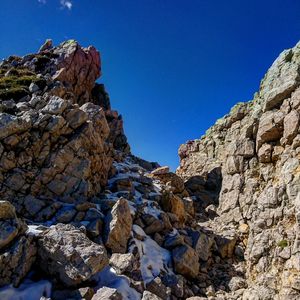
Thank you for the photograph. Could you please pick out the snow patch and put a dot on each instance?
(153, 258)
(33, 230)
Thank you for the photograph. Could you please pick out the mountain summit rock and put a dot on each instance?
(83, 218)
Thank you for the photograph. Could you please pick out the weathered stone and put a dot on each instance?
(11, 124)
(265, 153)
(234, 164)
(186, 261)
(79, 67)
(290, 125)
(118, 225)
(16, 261)
(281, 79)
(33, 88)
(7, 210)
(107, 293)
(173, 203)
(202, 244)
(66, 252)
(122, 262)
(76, 117)
(226, 244)
(161, 171)
(150, 296)
(55, 106)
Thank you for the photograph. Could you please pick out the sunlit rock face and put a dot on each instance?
(256, 147)
(83, 218)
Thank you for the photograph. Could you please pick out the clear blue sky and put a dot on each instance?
(171, 67)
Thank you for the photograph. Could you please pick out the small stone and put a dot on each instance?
(265, 153)
(107, 293)
(33, 88)
(244, 228)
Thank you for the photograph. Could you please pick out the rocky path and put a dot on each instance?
(83, 218)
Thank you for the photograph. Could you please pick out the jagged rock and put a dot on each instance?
(107, 294)
(157, 288)
(174, 204)
(290, 125)
(233, 204)
(67, 254)
(7, 211)
(257, 189)
(161, 171)
(122, 262)
(282, 78)
(16, 261)
(150, 296)
(265, 153)
(118, 225)
(270, 127)
(202, 244)
(79, 67)
(236, 283)
(185, 261)
(46, 46)
(170, 179)
(10, 225)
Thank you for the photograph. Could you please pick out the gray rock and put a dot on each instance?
(122, 263)
(67, 254)
(150, 296)
(107, 293)
(55, 106)
(33, 88)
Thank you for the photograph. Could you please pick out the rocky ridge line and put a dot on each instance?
(83, 218)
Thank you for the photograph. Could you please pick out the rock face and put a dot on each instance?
(79, 210)
(67, 254)
(256, 146)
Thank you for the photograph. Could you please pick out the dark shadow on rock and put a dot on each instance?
(206, 190)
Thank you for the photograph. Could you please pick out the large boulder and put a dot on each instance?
(65, 253)
(118, 225)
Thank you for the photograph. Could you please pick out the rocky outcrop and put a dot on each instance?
(83, 218)
(256, 148)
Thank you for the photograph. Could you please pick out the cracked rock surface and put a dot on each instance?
(81, 217)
